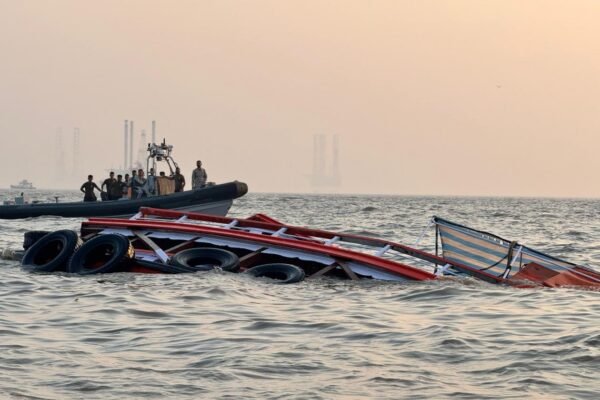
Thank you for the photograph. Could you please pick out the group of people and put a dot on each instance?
(137, 186)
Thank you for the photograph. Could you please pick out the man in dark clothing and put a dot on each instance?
(117, 188)
(131, 185)
(179, 180)
(88, 189)
(110, 183)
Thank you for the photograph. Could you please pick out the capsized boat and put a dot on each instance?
(214, 200)
(159, 235)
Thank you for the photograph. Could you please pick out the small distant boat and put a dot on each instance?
(23, 185)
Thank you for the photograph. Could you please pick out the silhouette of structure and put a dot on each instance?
(126, 146)
(76, 153)
(325, 175)
(60, 155)
(142, 149)
(129, 152)
(153, 131)
(130, 145)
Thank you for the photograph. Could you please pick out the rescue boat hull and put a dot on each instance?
(213, 200)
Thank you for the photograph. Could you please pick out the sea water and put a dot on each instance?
(227, 336)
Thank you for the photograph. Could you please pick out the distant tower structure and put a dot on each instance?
(325, 176)
(135, 158)
(153, 131)
(76, 152)
(60, 155)
(130, 144)
(335, 168)
(125, 149)
(142, 150)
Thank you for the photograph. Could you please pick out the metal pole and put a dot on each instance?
(153, 132)
(437, 235)
(125, 166)
(131, 144)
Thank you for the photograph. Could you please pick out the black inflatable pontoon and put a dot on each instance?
(215, 200)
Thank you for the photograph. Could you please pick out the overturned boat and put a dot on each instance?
(169, 241)
(172, 241)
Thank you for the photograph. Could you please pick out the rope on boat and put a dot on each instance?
(431, 223)
(493, 265)
(510, 259)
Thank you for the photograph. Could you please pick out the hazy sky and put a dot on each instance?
(427, 97)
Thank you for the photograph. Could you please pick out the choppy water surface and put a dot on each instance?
(226, 336)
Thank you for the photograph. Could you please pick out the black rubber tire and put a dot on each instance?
(205, 259)
(29, 238)
(164, 268)
(101, 254)
(51, 252)
(280, 272)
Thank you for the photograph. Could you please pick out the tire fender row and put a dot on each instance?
(63, 251)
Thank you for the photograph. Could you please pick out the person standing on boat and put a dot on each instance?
(125, 187)
(138, 184)
(117, 189)
(109, 183)
(132, 192)
(150, 187)
(179, 180)
(199, 176)
(88, 189)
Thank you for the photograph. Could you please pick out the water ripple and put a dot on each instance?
(230, 336)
